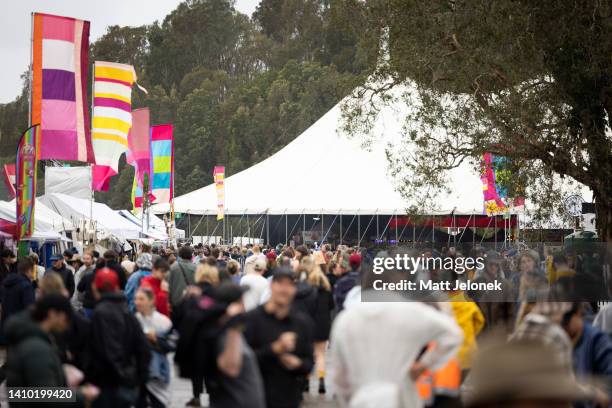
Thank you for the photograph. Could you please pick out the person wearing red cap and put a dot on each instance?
(347, 281)
(119, 350)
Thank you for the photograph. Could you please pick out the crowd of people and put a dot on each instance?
(258, 326)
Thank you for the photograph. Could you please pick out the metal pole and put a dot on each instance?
(377, 235)
(341, 229)
(31, 73)
(248, 228)
(322, 229)
(267, 228)
(433, 231)
(495, 231)
(396, 227)
(286, 227)
(358, 230)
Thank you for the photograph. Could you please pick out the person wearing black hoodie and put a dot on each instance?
(58, 266)
(119, 351)
(18, 290)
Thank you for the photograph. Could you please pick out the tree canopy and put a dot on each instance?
(530, 81)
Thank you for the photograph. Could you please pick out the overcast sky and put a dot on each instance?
(15, 27)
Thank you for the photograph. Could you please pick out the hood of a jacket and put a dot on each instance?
(21, 326)
(15, 279)
(304, 290)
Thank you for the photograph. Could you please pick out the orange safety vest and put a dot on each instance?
(445, 381)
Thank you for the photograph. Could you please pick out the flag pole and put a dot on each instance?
(91, 166)
(31, 70)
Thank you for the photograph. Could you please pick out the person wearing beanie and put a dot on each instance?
(120, 355)
(58, 266)
(144, 263)
(347, 281)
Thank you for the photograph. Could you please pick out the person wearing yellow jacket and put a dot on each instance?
(471, 321)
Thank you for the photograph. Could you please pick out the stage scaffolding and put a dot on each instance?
(355, 229)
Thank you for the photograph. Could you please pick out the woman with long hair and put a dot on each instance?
(322, 317)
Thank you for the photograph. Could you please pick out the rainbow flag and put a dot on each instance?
(162, 163)
(27, 164)
(112, 118)
(219, 177)
(60, 47)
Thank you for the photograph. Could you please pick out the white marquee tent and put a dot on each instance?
(77, 209)
(324, 172)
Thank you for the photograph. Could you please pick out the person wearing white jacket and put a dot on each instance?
(376, 351)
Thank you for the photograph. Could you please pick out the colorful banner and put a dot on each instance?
(136, 194)
(8, 174)
(112, 118)
(27, 164)
(219, 177)
(495, 177)
(139, 144)
(493, 203)
(162, 163)
(60, 47)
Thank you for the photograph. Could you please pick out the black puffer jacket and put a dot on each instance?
(119, 351)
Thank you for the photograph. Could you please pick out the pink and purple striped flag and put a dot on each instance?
(60, 47)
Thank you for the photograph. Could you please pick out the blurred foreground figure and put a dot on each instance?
(376, 351)
(522, 374)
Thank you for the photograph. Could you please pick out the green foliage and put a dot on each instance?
(530, 81)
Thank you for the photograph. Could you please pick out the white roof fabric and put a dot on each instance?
(47, 223)
(157, 228)
(73, 181)
(325, 172)
(77, 209)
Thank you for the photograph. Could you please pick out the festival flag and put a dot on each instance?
(219, 177)
(27, 164)
(139, 144)
(493, 204)
(112, 118)
(9, 178)
(162, 163)
(60, 47)
(137, 196)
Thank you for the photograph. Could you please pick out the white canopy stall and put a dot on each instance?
(78, 209)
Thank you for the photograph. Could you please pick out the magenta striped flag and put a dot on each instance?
(60, 47)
